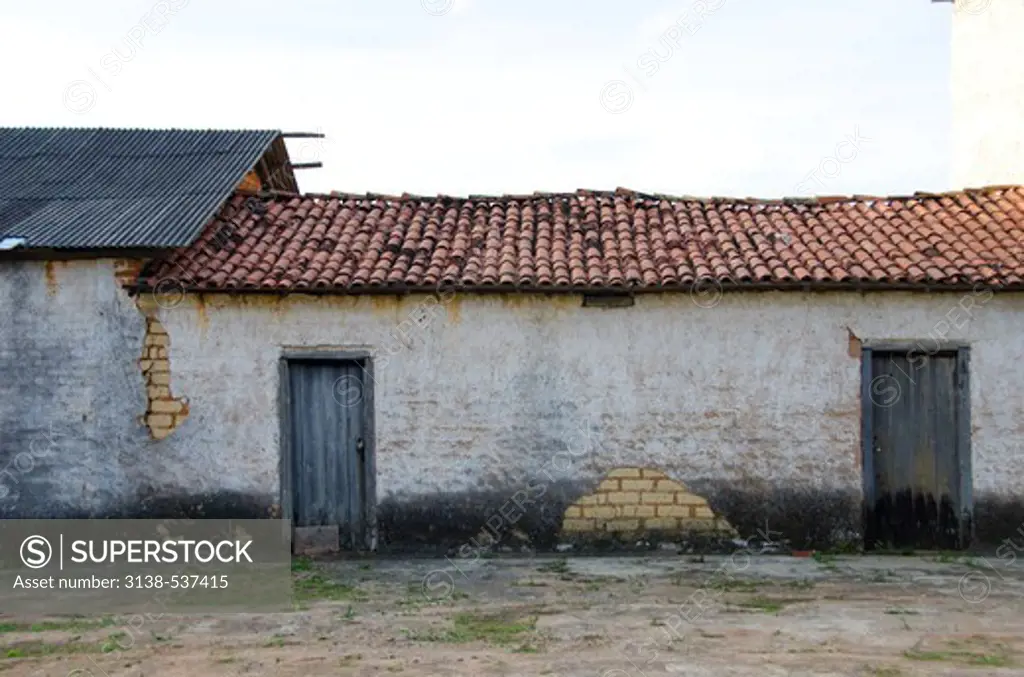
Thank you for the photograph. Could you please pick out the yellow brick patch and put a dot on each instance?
(670, 485)
(600, 511)
(631, 500)
(661, 524)
(635, 511)
(622, 525)
(637, 485)
(164, 412)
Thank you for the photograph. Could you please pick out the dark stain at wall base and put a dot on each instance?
(913, 519)
(997, 519)
(489, 520)
(212, 505)
(527, 517)
(789, 517)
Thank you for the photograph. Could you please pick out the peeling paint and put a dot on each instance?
(855, 345)
(202, 319)
(52, 287)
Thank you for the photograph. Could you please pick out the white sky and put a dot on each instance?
(510, 97)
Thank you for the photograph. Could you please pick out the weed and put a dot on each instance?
(825, 559)
(113, 642)
(899, 611)
(302, 564)
(555, 566)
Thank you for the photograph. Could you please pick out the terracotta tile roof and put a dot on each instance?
(602, 240)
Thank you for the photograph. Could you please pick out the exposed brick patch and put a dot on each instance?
(126, 271)
(855, 345)
(638, 500)
(164, 412)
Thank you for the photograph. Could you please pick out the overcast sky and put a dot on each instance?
(705, 97)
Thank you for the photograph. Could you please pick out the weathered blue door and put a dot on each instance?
(916, 419)
(327, 414)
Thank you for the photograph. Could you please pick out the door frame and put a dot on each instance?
(963, 422)
(363, 358)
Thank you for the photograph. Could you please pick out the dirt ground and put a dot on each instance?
(599, 617)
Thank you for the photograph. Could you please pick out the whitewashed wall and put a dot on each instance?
(760, 387)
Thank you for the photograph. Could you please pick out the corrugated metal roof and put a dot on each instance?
(112, 188)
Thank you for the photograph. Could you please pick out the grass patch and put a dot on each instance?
(899, 611)
(302, 564)
(315, 586)
(973, 651)
(499, 630)
(968, 657)
(74, 624)
(729, 585)
(885, 671)
(41, 649)
(529, 583)
(765, 604)
(803, 584)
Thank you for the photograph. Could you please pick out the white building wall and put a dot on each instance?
(762, 390)
(988, 92)
(754, 402)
